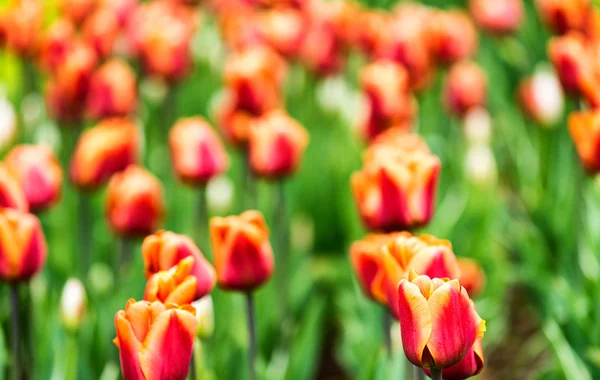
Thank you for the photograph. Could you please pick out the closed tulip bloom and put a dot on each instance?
(38, 172)
(388, 143)
(242, 252)
(23, 24)
(175, 285)
(73, 304)
(322, 49)
(101, 30)
(122, 9)
(585, 132)
(465, 88)
(469, 366)
(155, 340)
(103, 150)
(56, 43)
(233, 122)
(164, 250)
(472, 276)
(451, 36)
(113, 91)
(283, 29)
(541, 98)
(372, 27)
(497, 16)
(562, 16)
(277, 143)
(76, 10)
(22, 245)
(438, 321)
(197, 153)
(11, 192)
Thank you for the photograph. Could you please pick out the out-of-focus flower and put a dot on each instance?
(22, 25)
(283, 29)
(163, 250)
(541, 97)
(472, 276)
(205, 315)
(572, 59)
(113, 90)
(8, 122)
(76, 10)
(72, 304)
(469, 366)
(233, 122)
(196, 151)
(438, 321)
(219, 195)
(564, 15)
(243, 256)
(38, 172)
(388, 98)
(107, 148)
(122, 9)
(22, 245)
(11, 193)
(240, 27)
(372, 26)
(155, 340)
(451, 36)
(465, 88)
(395, 139)
(276, 145)
(585, 132)
(480, 165)
(101, 30)
(134, 202)
(56, 43)
(497, 16)
(175, 285)
(477, 126)
(396, 191)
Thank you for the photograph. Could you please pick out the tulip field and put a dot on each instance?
(299, 189)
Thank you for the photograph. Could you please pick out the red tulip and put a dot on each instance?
(22, 25)
(469, 366)
(498, 16)
(233, 122)
(472, 276)
(113, 91)
(11, 192)
(283, 29)
(76, 10)
(122, 9)
(56, 44)
(322, 49)
(101, 31)
(465, 88)
(451, 36)
(564, 15)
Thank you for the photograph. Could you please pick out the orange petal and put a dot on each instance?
(129, 348)
(184, 293)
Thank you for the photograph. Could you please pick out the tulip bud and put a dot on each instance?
(155, 340)
(205, 315)
(122, 9)
(11, 192)
(76, 10)
(196, 151)
(242, 252)
(451, 36)
(103, 150)
(101, 30)
(541, 98)
(438, 322)
(283, 29)
(469, 366)
(562, 16)
(472, 276)
(175, 285)
(23, 24)
(465, 88)
(164, 250)
(8, 123)
(233, 122)
(72, 304)
(56, 43)
(477, 126)
(371, 27)
(572, 61)
(277, 143)
(38, 172)
(322, 50)
(22, 245)
(481, 165)
(113, 91)
(585, 132)
(497, 16)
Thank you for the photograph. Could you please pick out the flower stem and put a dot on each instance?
(387, 334)
(248, 197)
(418, 373)
(193, 372)
(436, 374)
(251, 337)
(14, 303)
(202, 221)
(282, 226)
(123, 256)
(85, 232)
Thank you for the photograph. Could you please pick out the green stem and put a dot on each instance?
(85, 232)
(282, 228)
(251, 337)
(14, 303)
(387, 334)
(123, 256)
(202, 221)
(248, 197)
(71, 360)
(193, 371)
(436, 374)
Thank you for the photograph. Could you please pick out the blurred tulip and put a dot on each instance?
(205, 315)
(470, 365)
(73, 304)
(113, 91)
(76, 10)
(480, 165)
(573, 63)
(174, 285)
(498, 16)
(465, 88)
(477, 126)
(11, 192)
(134, 202)
(197, 153)
(277, 143)
(562, 16)
(164, 250)
(8, 123)
(585, 132)
(56, 43)
(109, 147)
(391, 141)
(396, 191)
(541, 98)
(451, 36)
(101, 30)
(233, 122)
(283, 29)
(39, 174)
(243, 256)
(372, 27)
(122, 9)
(438, 321)
(322, 50)
(155, 341)
(472, 276)
(240, 27)
(22, 245)
(22, 26)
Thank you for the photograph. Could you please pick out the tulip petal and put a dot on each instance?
(184, 293)
(415, 321)
(129, 348)
(470, 365)
(435, 262)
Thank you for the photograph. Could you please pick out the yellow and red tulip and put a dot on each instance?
(22, 27)
(497, 16)
(469, 366)
(283, 29)
(571, 56)
(56, 43)
(76, 10)
(113, 91)
(101, 31)
(243, 256)
(465, 88)
(175, 285)
(472, 276)
(562, 16)
(155, 340)
(451, 36)
(11, 192)
(585, 132)
(233, 122)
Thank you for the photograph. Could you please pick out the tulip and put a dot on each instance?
(22, 25)
(480, 165)
(134, 202)
(451, 36)
(8, 123)
(562, 16)
(240, 27)
(22, 245)
(205, 315)
(465, 88)
(103, 150)
(76, 10)
(371, 26)
(233, 122)
(155, 340)
(497, 16)
(394, 139)
(175, 285)
(164, 250)
(322, 50)
(472, 276)
(11, 192)
(101, 31)
(56, 43)
(277, 143)
(541, 98)
(585, 132)
(113, 91)
(243, 256)
(283, 29)
(197, 153)
(438, 322)
(72, 304)
(39, 174)
(469, 366)
(572, 59)
(122, 9)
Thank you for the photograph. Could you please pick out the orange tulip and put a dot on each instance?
(164, 250)
(76, 10)
(101, 31)
(233, 122)
(283, 29)
(465, 88)
(56, 43)
(372, 28)
(38, 173)
(277, 143)
(497, 16)
(122, 9)
(22, 245)
(23, 24)
(107, 148)
(438, 322)
(469, 366)
(134, 202)
(585, 132)
(175, 285)
(564, 15)
(196, 151)
(451, 36)
(155, 340)
(242, 251)
(472, 276)
(113, 91)
(11, 192)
